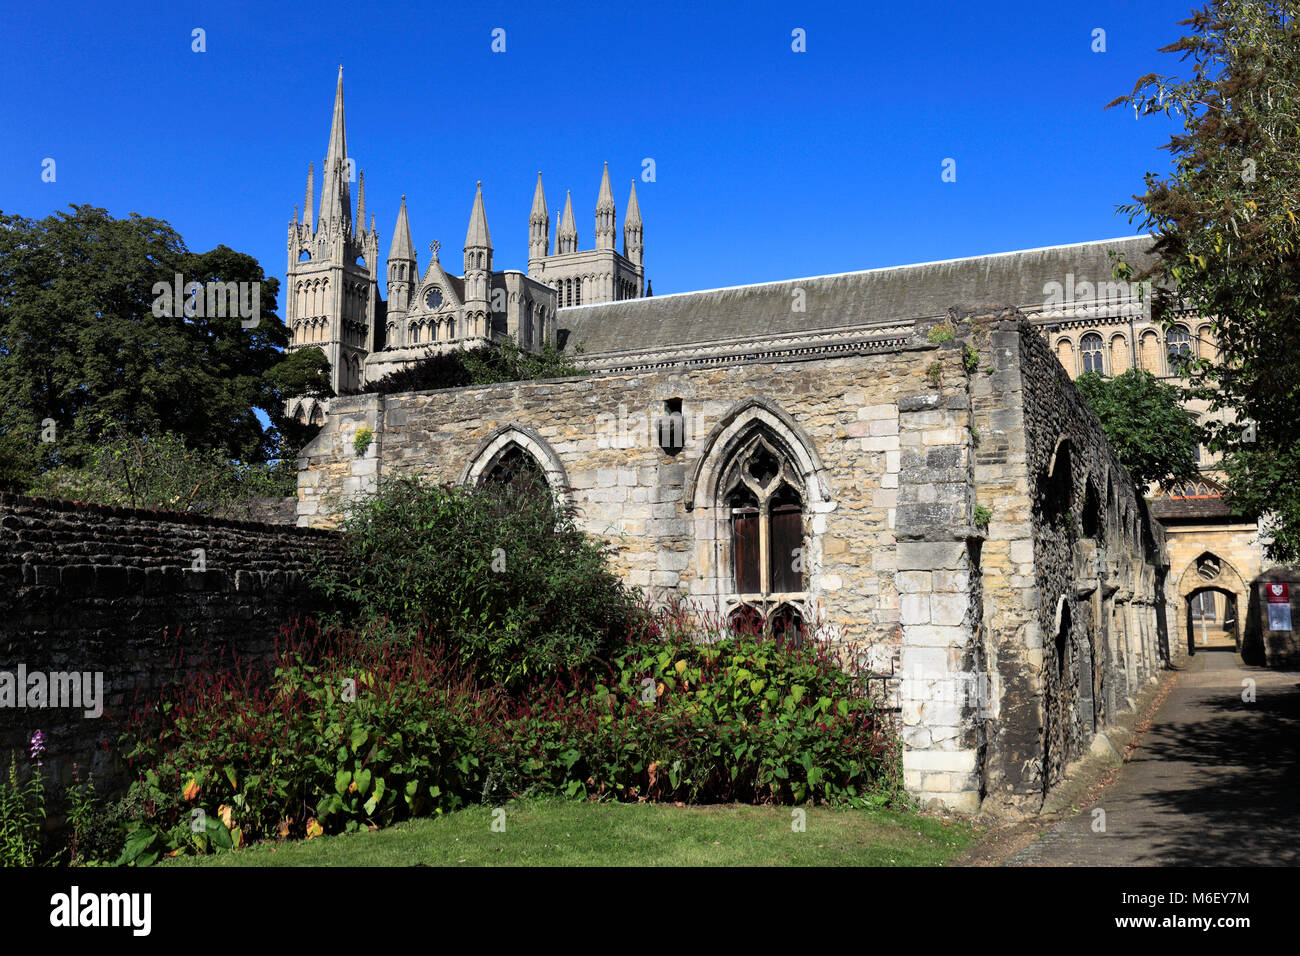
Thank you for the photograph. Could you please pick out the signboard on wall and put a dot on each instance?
(1279, 606)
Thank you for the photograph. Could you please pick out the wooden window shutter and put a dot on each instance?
(745, 550)
(786, 539)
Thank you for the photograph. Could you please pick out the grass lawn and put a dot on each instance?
(574, 833)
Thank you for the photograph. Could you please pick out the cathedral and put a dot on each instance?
(333, 301)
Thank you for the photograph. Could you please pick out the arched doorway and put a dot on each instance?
(1213, 597)
(1213, 622)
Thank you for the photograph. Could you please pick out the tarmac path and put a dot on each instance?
(1215, 780)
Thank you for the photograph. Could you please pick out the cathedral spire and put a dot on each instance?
(633, 233)
(478, 245)
(402, 247)
(361, 201)
(566, 237)
(336, 198)
(478, 237)
(539, 224)
(605, 213)
(403, 274)
(310, 204)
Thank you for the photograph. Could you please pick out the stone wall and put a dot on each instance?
(596, 437)
(1261, 644)
(137, 597)
(1074, 567)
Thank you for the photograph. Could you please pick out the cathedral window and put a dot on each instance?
(1091, 349)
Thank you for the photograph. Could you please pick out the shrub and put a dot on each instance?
(361, 441)
(344, 731)
(347, 733)
(502, 573)
(160, 471)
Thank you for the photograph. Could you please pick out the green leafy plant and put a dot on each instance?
(503, 361)
(501, 572)
(96, 831)
(361, 441)
(970, 358)
(160, 471)
(982, 517)
(940, 334)
(22, 809)
(346, 733)
(935, 373)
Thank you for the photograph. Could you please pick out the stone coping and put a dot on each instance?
(8, 500)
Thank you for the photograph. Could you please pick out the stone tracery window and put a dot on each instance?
(762, 499)
(1179, 343)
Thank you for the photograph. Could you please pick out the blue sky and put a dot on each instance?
(770, 164)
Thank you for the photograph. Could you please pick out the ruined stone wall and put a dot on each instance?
(943, 668)
(138, 597)
(1074, 567)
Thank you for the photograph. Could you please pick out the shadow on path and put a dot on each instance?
(1214, 782)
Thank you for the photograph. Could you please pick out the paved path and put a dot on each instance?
(1215, 781)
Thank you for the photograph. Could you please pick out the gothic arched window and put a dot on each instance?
(514, 468)
(1091, 348)
(760, 492)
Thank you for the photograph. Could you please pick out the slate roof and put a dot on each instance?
(1191, 509)
(898, 293)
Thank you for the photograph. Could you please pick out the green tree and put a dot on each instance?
(1227, 237)
(1145, 422)
(304, 373)
(81, 346)
(500, 362)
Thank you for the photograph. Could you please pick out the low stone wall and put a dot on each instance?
(127, 600)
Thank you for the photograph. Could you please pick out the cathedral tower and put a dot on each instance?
(587, 276)
(332, 276)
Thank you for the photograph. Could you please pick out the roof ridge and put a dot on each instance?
(860, 272)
